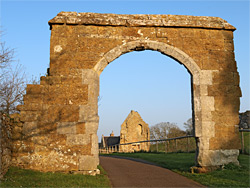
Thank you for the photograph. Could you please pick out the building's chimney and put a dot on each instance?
(112, 134)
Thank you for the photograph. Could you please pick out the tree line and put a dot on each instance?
(165, 130)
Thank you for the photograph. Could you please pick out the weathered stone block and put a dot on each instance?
(224, 90)
(202, 33)
(215, 34)
(36, 98)
(67, 94)
(29, 127)
(227, 104)
(206, 77)
(91, 127)
(29, 116)
(226, 141)
(16, 136)
(71, 79)
(78, 139)
(88, 113)
(225, 117)
(227, 35)
(41, 140)
(210, 158)
(88, 163)
(50, 80)
(94, 147)
(31, 107)
(207, 103)
(61, 113)
(80, 128)
(229, 45)
(34, 89)
(193, 44)
(66, 128)
(220, 77)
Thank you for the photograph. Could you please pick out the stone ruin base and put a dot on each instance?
(217, 159)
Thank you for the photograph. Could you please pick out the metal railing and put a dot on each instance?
(166, 142)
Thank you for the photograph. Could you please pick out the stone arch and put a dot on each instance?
(172, 52)
(60, 114)
(139, 45)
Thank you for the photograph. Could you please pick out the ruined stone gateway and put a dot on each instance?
(61, 113)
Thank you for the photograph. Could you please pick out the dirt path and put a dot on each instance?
(130, 173)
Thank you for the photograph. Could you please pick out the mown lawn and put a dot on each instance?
(17, 177)
(179, 145)
(246, 149)
(230, 176)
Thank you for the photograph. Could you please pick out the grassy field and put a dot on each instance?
(246, 143)
(181, 145)
(230, 176)
(17, 177)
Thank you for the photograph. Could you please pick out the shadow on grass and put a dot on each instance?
(17, 177)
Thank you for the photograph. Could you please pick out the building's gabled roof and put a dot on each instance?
(111, 140)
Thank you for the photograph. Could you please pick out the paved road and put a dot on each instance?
(130, 173)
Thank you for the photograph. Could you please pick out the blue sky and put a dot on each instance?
(152, 84)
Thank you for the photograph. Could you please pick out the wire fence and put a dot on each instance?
(177, 144)
(169, 145)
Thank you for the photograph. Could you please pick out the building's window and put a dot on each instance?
(140, 129)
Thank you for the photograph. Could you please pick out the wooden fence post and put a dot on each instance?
(242, 142)
(166, 147)
(175, 145)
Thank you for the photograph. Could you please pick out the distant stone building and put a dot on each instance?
(245, 120)
(134, 129)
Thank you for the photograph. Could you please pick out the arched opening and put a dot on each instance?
(148, 82)
(165, 49)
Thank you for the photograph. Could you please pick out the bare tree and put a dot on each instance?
(175, 132)
(162, 130)
(189, 126)
(12, 88)
(12, 80)
(6, 55)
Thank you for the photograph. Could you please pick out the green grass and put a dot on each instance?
(230, 176)
(246, 142)
(180, 145)
(17, 177)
